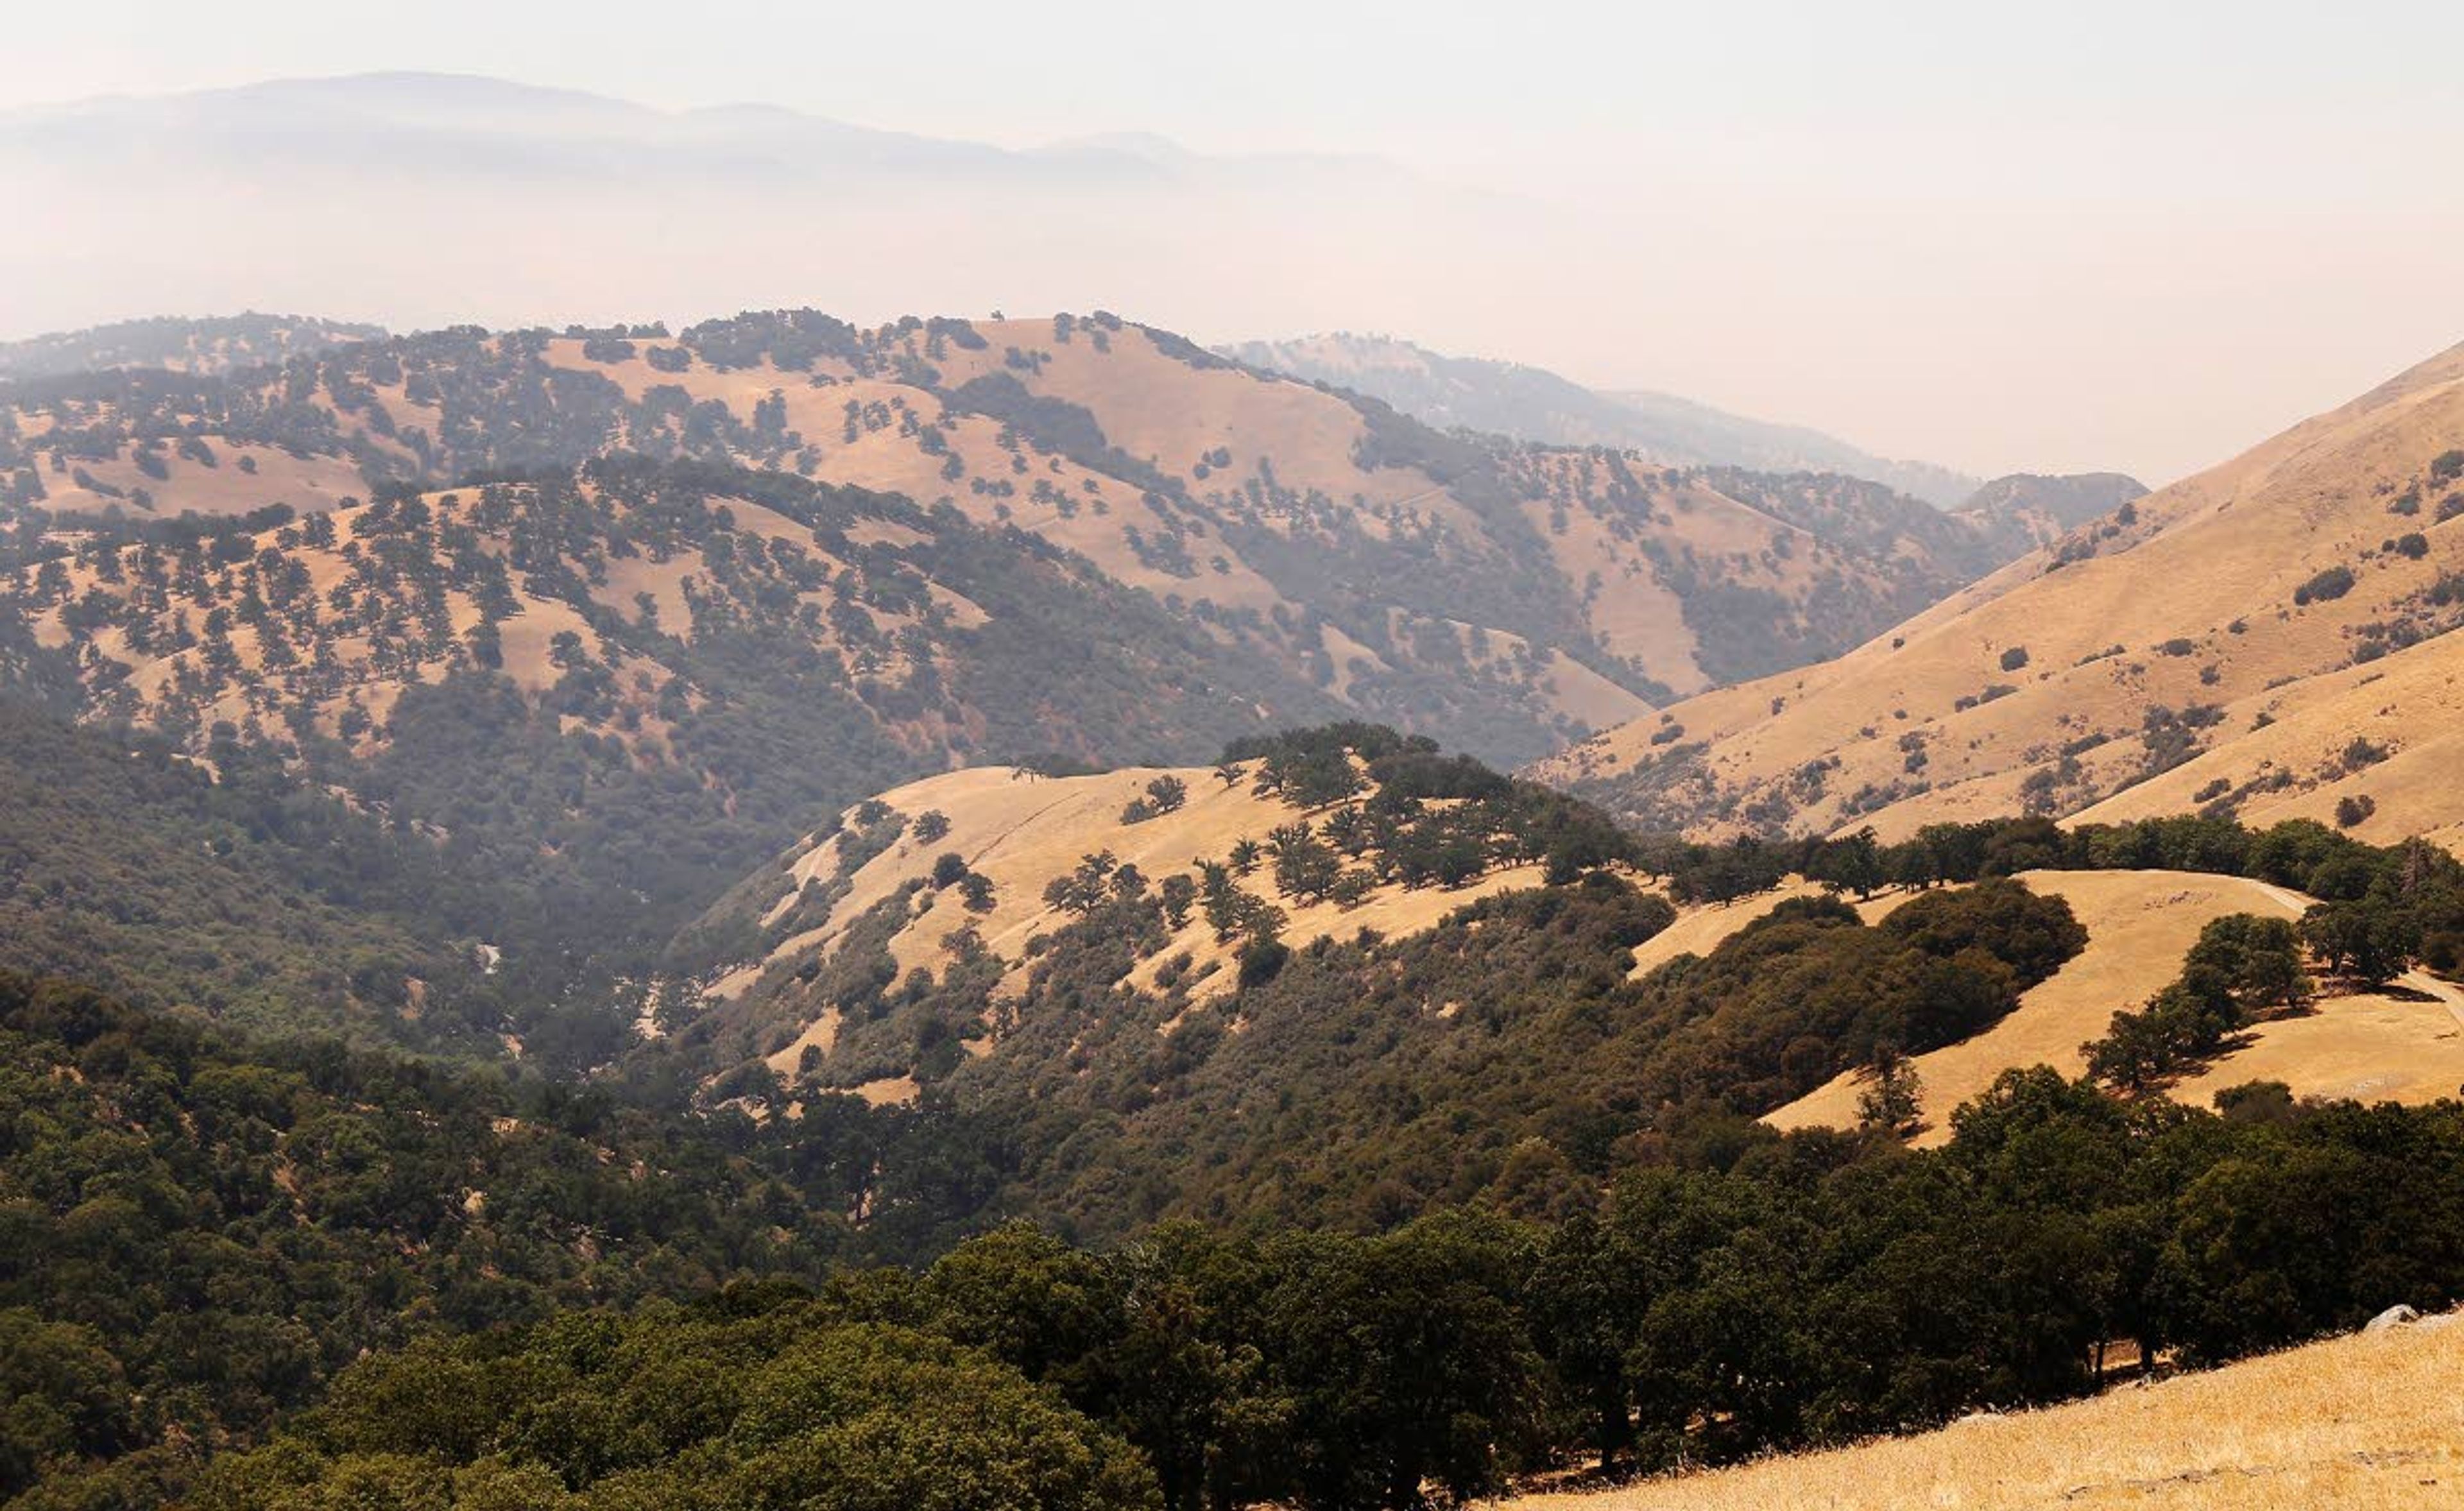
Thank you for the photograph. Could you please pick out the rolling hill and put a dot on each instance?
(616, 612)
(1504, 597)
(969, 879)
(2268, 639)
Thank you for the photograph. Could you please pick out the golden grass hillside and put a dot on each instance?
(1281, 461)
(2270, 636)
(1021, 831)
(2370, 1422)
(2405, 1044)
(350, 625)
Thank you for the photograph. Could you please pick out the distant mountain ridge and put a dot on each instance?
(1536, 404)
(294, 195)
(2048, 507)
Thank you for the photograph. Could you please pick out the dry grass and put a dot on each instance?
(2410, 705)
(2215, 552)
(2139, 924)
(1022, 833)
(2358, 1423)
(2405, 1045)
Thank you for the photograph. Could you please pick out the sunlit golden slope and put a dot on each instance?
(2404, 1045)
(2183, 651)
(1020, 832)
(2362, 1423)
(1271, 467)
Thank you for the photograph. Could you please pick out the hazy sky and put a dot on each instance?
(2135, 236)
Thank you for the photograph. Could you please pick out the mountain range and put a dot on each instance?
(297, 194)
(1353, 955)
(1366, 559)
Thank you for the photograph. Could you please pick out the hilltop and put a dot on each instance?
(2047, 508)
(2267, 640)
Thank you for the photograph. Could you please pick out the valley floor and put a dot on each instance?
(2358, 1423)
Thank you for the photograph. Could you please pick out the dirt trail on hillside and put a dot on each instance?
(2449, 996)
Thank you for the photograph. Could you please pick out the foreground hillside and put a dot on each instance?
(1375, 1211)
(2269, 639)
(2366, 1421)
(1746, 1294)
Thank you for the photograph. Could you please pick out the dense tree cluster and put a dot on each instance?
(2411, 893)
(225, 882)
(1425, 819)
(751, 1399)
(1747, 1292)
(196, 1232)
